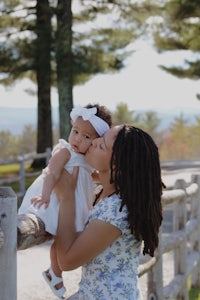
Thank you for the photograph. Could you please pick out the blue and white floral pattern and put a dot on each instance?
(114, 273)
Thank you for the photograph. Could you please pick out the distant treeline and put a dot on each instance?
(179, 141)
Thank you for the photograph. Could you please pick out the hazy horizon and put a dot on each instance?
(14, 119)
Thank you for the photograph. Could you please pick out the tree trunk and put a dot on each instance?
(64, 62)
(43, 74)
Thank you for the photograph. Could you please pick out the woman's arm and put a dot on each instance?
(74, 250)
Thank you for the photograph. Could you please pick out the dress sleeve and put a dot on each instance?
(60, 145)
(108, 210)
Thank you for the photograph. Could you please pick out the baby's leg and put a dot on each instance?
(53, 275)
(54, 262)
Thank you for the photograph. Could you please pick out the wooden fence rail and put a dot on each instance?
(22, 160)
(183, 240)
(179, 235)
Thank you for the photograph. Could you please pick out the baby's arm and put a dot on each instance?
(52, 174)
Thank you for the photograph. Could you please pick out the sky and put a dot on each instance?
(141, 85)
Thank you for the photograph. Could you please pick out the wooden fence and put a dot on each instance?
(179, 235)
(181, 207)
(23, 159)
(23, 175)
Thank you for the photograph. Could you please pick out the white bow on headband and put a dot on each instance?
(88, 114)
(83, 112)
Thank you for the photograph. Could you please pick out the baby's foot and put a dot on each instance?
(55, 283)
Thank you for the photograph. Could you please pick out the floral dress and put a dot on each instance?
(113, 274)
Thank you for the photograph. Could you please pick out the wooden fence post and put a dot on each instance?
(180, 254)
(22, 174)
(196, 213)
(155, 275)
(8, 254)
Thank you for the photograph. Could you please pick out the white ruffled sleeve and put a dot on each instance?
(61, 144)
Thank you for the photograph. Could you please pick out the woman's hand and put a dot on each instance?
(66, 184)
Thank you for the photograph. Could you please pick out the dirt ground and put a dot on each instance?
(30, 283)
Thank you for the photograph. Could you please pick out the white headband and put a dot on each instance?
(88, 114)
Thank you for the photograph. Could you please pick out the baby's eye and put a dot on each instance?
(86, 137)
(75, 131)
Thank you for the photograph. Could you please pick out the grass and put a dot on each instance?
(194, 294)
(9, 170)
(12, 170)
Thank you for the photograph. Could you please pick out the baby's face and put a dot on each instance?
(81, 136)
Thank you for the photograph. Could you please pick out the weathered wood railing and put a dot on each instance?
(183, 240)
(182, 205)
(22, 159)
(8, 245)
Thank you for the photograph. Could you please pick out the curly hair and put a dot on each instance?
(136, 174)
(102, 112)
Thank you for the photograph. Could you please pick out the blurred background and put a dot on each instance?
(138, 58)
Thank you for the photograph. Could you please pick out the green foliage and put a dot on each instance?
(194, 294)
(12, 146)
(148, 121)
(94, 50)
(27, 140)
(17, 43)
(178, 29)
(179, 141)
(9, 145)
(123, 115)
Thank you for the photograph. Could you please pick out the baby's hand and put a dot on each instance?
(39, 201)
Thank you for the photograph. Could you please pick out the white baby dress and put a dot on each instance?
(83, 194)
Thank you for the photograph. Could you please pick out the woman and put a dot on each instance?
(126, 212)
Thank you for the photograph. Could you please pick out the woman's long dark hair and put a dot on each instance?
(136, 174)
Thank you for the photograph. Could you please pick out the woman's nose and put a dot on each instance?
(94, 142)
